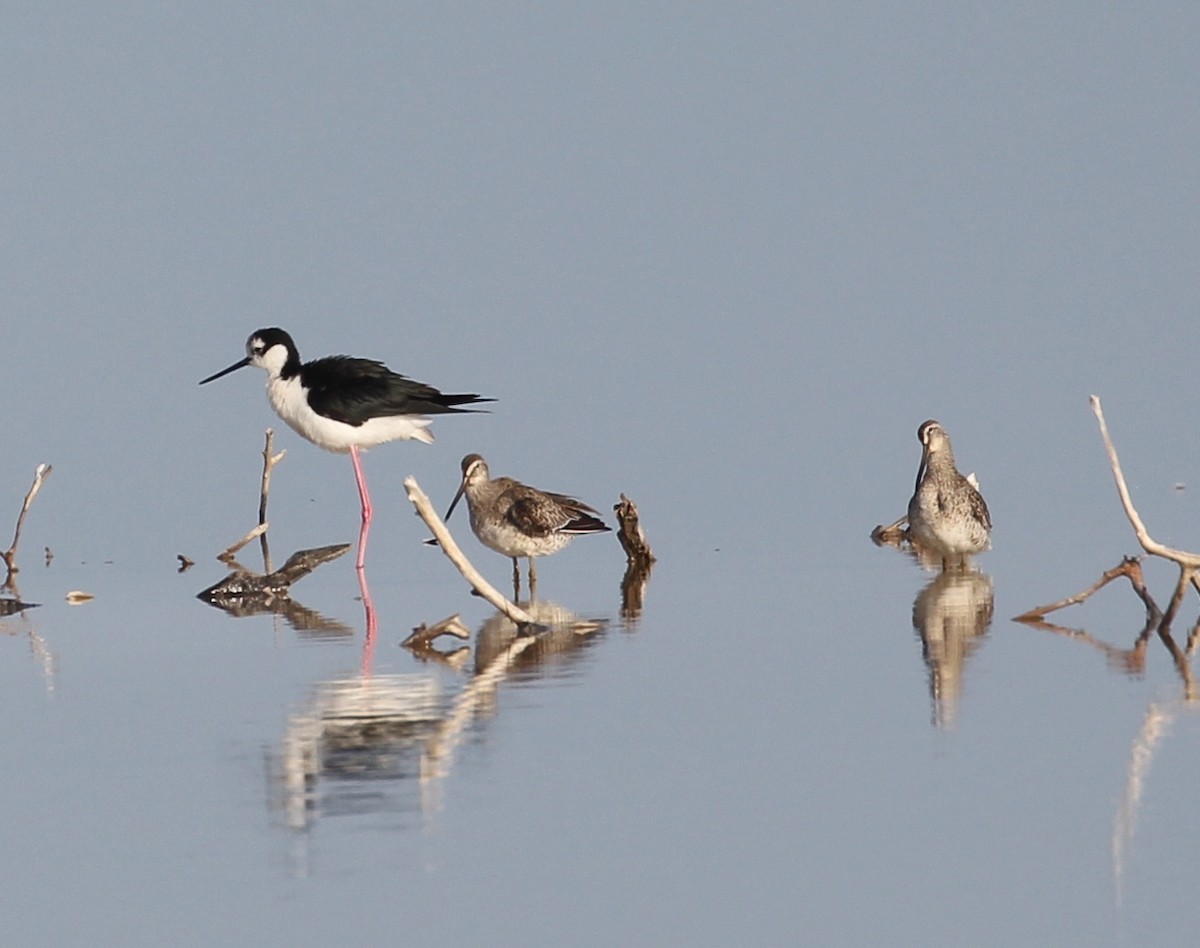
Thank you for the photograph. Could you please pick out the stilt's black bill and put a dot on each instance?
(233, 368)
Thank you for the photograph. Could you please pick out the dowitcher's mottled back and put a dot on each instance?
(517, 520)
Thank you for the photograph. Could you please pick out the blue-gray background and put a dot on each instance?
(723, 258)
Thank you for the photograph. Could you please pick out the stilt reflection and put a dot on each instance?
(352, 736)
(358, 742)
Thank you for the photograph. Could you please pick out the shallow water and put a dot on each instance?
(723, 262)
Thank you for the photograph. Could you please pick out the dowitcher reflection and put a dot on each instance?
(951, 615)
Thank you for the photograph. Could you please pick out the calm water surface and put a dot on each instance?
(722, 259)
(833, 749)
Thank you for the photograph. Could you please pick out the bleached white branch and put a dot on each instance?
(485, 589)
(1149, 544)
(10, 555)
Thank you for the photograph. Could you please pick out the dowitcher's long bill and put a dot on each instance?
(343, 404)
(947, 514)
(517, 520)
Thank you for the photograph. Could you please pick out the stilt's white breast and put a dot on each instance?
(288, 398)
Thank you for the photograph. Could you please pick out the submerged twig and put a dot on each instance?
(10, 555)
(445, 540)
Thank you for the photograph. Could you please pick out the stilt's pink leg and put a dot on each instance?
(366, 508)
(368, 655)
(368, 605)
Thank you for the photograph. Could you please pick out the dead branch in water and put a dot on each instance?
(638, 559)
(631, 535)
(269, 462)
(243, 583)
(10, 555)
(245, 592)
(1189, 561)
(1130, 567)
(894, 534)
(425, 511)
(229, 553)
(423, 634)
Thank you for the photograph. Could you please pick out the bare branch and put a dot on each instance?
(1149, 544)
(242, 583)
(892, 535)
(229, 552)
(422, 635)
(10, 555)
(269, 462)
(1130, 567)
(1156, 620)
(632, 537)
(426, 512)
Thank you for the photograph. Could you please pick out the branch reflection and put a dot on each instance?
(13, 606)
(246, 593)
(1160, 715)
(352, 735)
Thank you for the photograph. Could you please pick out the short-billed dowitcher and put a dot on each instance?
(517, 520)
(947, 514)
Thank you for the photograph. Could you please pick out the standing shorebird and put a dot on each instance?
(947, 513)
(516, 520)
(342, 404)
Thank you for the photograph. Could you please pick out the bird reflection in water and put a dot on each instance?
(951, 615)
(359, 741)
(546, 655)
(352, 734)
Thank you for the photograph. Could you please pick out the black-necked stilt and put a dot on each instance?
(947, 514)
(517, 520)
(342, 404)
